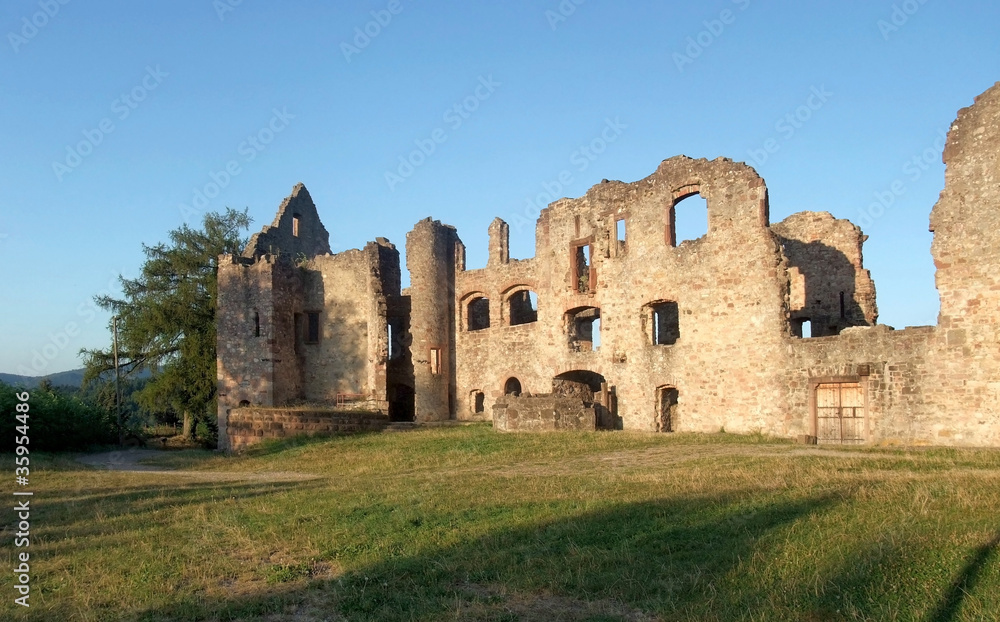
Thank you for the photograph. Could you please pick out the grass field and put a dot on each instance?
(468, 524)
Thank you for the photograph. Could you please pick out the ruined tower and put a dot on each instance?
(433, 253)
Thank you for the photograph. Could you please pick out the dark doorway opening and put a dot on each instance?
(402, 403)
(666, 408)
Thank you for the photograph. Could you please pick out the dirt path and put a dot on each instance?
(130, 461)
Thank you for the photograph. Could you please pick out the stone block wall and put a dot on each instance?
(695, 336)
(539, 413)
(249, 426)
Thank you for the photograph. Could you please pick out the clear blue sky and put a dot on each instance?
(705, 79)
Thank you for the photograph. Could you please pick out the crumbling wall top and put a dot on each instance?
(296, 230)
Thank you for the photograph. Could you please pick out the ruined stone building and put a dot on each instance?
(613, 324)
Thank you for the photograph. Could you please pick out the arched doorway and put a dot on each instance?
(512, 387)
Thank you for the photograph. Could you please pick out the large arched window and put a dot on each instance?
(477, 313)
(522, 306)
(687, 216)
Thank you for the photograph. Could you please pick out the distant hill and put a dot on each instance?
(72, 378)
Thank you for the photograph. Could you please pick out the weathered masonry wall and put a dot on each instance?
(542, 413)
(728, 289)
(673, 335)
(295, 328)
(249, 426)
(829, 286)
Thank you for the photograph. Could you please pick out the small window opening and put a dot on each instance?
(802, 327)
(312, 327)
(843, 307)
(620, 234)
(244, 403)
(479, 314)
(523, 307)
(256, 324)
(512, 387)
(581, 268)
(295, 225)
(435, 361)
(688, 219)
(583, 327)
(664, 323)
(477, 402)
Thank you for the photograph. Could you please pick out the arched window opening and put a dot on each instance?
(478, 316)
(687, 218)
(512, 387)
(583, 329)
(662, 320)
(802, 327)
(523, 307)
(244, 403)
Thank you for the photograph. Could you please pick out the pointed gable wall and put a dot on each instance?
(296, 231)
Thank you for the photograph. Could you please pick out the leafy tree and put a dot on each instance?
(166, 320)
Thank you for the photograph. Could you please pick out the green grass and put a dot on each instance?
(469, 524)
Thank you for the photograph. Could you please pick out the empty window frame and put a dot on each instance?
(663, 322)
(522, 307)
(583, 329)
(478, 313)
(620, 234)
(312, 327)
(801, 327)
(477, 402)
(688, 221)
(435, 360)
(296, 219)
(582, 274)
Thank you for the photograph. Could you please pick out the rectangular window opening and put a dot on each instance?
(581, 268)
(620, 234)
(312, 327)
(435, 361)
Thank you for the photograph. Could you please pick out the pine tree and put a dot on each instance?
(166, 320)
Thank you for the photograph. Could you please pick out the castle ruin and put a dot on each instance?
(614, 325)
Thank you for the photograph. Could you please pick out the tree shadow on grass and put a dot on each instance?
(639, 561)
(964, 582)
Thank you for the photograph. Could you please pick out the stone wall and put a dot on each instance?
(300, 328)
(829, 286)
(249, 426)
(540, 413)
(296, 231)
(696, 336)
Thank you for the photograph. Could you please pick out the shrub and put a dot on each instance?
(57, 421)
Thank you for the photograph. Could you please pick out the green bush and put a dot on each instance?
(57, 421)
